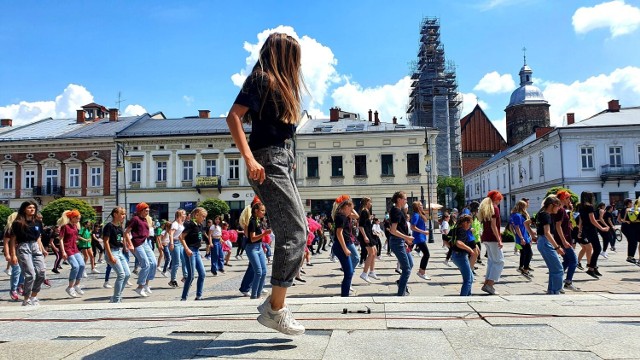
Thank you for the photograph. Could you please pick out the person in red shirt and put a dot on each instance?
(138, 230)
(69, 225)
(489, 216)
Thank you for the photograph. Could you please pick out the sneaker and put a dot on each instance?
(129, 284)
(351, 290)
(488, 289)
(479, 261)
(399, 271)
(55, 271)
(333, 259)
(47, 283)
(78, 290)
(301, 279)
(631, 260)
(95, 271)
(84, 274)
(604, 255)
(141, 292)
(373, 275)
(359, 265)
(580, 266)
(106, 285)
(570, 286)
(164, 273)
(365, 277)
(70, 291)
(135, 271)
(221, 271)
(27, 302)
(595, 271)
(309, 264)
(14, 295)
(246, 293)
(379, 257)
(592, 274)
(214, 273)
(424, 276)
(612, 250)
(265, 291)
(561, 291)
(100, 261)
(303, 272)
(262, 306)
(281, 320)
(198, 298)
(20, 289)
(35, 301)
(7, 271)
(446, 262)
(147, 289)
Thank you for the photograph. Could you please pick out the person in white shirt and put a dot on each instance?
(217, 255)
(176, 248)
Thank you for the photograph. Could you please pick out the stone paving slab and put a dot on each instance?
(42, 349)
(608, 339)
(143, 348)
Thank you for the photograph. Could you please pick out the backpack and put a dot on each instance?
(451, 236)
(633, 214)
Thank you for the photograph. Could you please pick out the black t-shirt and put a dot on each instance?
(585, 210)
(343, 222)
(365, 223)
(31, 233)
(267, 127)
(543, 218)
(45, 238)
(255, 228)
(115, 235)
(607, 217)
(463, 235)
(397, 216)
(192, 234)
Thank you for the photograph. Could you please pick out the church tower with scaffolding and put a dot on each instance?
(434, 100)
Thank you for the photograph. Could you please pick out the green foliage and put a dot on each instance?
(215, 207)
(508, 236)
(4, 214)
(52, 212)
(554, 190)
(457, 186)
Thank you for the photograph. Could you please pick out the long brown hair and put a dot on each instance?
(279, 64)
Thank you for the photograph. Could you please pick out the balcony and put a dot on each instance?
(620, 172)
(48, 190)
(208, 182)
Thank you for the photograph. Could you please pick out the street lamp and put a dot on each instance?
(427, 168)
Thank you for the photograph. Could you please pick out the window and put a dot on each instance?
(638, 155)
(312, 167)
(234, 169)
(497, 179)
(8, 179)
(96, 176)
(51, 181)
(336, 166)
(161, 173)
(615, 156)
(29, 179)
(187, 170)
(387, 164)
(74, 177)
(541, 164)
(513, 180)
(530, 167)
(361, 165)
(504, 177)
(210, 168)
(136, 172)
(413, 164)
(586, 157)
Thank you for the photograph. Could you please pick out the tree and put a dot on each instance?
(554, 190)
(215, 207)
(4, 214)
(456, 185)
(52, 212)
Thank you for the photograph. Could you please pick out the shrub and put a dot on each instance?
(4, 214)
(54, 210)
(215, 207)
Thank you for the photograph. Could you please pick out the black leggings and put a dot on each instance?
(95, 245)
(525, 256)
(607, 239)
(592, 236)
(632, 240)
(241, 244)
(425, 255)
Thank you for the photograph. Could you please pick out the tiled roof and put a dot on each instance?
(311, 126)
(181, 126)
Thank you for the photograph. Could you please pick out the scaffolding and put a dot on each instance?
(434, 100)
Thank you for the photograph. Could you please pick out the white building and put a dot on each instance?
(600, 154)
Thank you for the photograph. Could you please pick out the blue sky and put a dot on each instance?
(178, 57)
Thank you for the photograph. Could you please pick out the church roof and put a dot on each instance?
(479, 134)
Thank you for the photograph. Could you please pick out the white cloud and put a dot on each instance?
(64, 106)
(493, 83)
(469, 101)
(188, 100)
(388, 100)
(588, 97)
(492, 4)
(618, 16)
(318, 66)
(134, 110)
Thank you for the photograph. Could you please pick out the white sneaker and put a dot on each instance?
(78, 290)
(95, 271)
(265, 291)
(281, 320)
(7, 271)
(70, 291)
(164, 273)
(246, 293)
(264, 304)
(35, 301)
(446, 262)
(359, 265)
(604, 255)
(373, 275)
(379, 258)
(424, 276)
(365, 277)
(333, 258)
(351, 290)
(106, 285)
(27, 302)
(141, 292)
(84, 274)
(147, 289)
(129, 284)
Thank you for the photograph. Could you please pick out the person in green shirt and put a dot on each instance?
(84, 245)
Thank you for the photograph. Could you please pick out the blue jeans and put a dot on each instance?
(268, 248)
(17, 277)
(178, 260)
(347, 267)
(355, 257)
(247, 279)
(569, 263)
(194, 264)
(552, 260)
(167, 257)
(461, 259)
(121, 267)
(257, 263)
(107, 272)
(217, 256)
(279, 194)
(77, 266)
(406, 263)
(148, 263)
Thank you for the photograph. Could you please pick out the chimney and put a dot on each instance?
(80, 116)
(113, 114)
(571, 118)
(6, 122)
(376, 121)
(395, 120)
(614, 106)
(370, 114)
(203, 114)
(334, 114)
